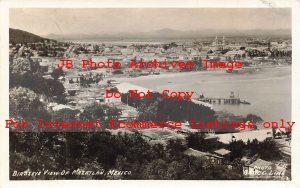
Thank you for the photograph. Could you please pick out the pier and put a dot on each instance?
(222, 100)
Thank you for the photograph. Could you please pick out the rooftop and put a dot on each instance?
(125, 87)
(222, 151)
(260, 163)
(196, 153)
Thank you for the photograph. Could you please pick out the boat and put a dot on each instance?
(244, 102)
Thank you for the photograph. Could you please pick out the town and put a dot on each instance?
(67, 81)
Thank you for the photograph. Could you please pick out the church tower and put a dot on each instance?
(223, 43)
(217, 43)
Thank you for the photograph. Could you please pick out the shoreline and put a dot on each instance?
(181, 74)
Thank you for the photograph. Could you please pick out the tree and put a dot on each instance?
(268, 150)
(54, 88)
(93, 112)
(117, 72)
(111, 112)
(253, 118)
(25, 73)
(103, 113)
(25, 104)
(56, 73)
(174, 149)
(20, 66)
(236, 148)
(197, 141)
(148, 112)
(155, 170)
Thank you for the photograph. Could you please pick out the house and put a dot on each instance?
(234, 53)
(126, 87)
(224, 153)
(214, 159)
(112, 100)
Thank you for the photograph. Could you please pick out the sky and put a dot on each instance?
(43, 21)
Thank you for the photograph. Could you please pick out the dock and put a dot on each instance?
(222, 100)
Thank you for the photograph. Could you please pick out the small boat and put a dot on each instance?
(244, 102)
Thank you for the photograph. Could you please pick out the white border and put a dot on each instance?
(4, 75)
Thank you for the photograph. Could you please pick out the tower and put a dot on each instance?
(217, 43)
(223, 43)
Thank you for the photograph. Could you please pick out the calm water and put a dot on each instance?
(269, 90)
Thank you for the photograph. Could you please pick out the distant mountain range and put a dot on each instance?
(20, 36)
(175, 34)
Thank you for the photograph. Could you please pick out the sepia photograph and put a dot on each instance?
(150, 94)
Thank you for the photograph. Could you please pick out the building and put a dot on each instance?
(219, 45)
(126, 87)
(224, 153)
(214, 159)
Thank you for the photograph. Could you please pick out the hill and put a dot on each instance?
(20, 36)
